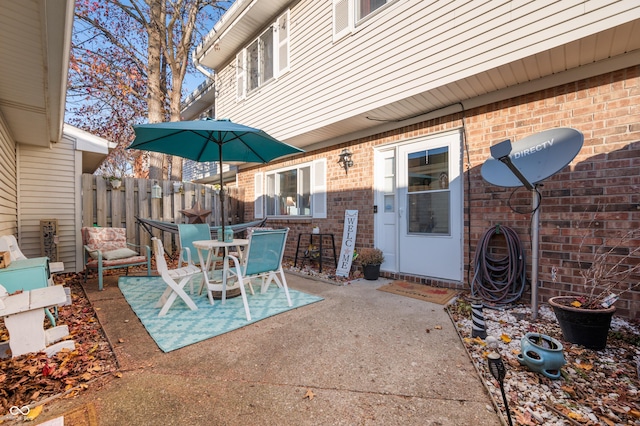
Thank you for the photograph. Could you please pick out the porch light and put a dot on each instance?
(345, 160)
(156, 191)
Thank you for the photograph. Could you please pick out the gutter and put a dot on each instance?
(226, 20)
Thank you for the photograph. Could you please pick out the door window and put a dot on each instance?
(428, 200)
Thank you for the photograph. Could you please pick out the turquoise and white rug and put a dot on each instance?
(182, 326)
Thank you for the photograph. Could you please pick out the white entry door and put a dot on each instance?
(427, 208)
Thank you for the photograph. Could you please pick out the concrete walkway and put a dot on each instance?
(364, 356)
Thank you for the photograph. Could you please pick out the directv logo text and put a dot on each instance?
(533, 149)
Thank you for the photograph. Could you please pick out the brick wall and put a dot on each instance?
(604, 176)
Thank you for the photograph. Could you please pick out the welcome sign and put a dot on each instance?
(348, 243)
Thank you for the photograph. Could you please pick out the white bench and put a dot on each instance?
(23, 315)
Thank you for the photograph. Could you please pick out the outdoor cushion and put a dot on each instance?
(121, 253)
(106, 239)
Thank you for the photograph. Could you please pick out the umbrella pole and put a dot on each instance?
(221, 189)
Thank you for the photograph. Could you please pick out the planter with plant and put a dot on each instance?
(371, 259)
(114, 181)
(609, 272)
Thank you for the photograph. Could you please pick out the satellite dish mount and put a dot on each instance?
(536, 158)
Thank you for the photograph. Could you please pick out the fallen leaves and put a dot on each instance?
(31, 378)
(595, 388)
(309, 395)
(33, 413)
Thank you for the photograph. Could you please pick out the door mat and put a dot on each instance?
(420, 291)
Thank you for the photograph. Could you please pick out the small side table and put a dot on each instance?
(321, 238)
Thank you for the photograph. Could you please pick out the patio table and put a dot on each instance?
(208, 254)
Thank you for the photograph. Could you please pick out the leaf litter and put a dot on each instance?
(595, 387)
(32, 379)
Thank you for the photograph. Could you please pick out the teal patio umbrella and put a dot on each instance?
(211, 140)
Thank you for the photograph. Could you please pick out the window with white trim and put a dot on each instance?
(292, 191)
(348, 13)
(265, 58)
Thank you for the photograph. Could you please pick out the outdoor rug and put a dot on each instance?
(420, 291)
(182, 326)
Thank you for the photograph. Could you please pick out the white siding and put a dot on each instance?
(8, 201)
(47, 185)
(408, 49)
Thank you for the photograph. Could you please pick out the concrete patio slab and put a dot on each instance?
(359, 357)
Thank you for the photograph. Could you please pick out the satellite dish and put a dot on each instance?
(537, 157)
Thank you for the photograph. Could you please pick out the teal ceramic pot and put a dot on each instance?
(542, 354)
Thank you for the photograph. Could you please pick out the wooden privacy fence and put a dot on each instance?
(103, 205)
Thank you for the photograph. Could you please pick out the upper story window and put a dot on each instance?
(292, 191)
(265, 58)
(365, 7)
(348, 13)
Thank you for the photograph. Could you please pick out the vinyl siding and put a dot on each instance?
(8, 202)
(408, 49)
(47, 187)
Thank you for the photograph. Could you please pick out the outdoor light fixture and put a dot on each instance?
(177, 187)
(498, 371)
(156, 191)
(345, 160)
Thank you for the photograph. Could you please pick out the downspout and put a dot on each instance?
(201, 67)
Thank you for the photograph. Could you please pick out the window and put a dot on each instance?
(297, 191)
(344, 18)
(264, 58)
(428, 194)
(365, 7)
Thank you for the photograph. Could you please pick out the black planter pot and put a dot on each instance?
(371, 272)
(586, 327)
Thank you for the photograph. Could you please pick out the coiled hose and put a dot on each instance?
(499, 280)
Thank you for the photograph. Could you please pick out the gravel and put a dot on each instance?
(594, 388)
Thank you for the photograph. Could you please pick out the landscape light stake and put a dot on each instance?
(498, 370)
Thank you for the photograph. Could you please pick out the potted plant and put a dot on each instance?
(371, 259)
(585, 318)
(114, 181)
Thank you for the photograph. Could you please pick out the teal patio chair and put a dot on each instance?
(187, 234)
(263, 259)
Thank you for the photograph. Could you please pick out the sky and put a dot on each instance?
(195, 78)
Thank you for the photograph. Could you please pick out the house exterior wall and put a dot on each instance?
(409, 49)
(8, 192)
(48, 182)
(606, 172)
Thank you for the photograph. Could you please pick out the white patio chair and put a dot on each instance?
(10, 244)
(175, 279)
(263, 259)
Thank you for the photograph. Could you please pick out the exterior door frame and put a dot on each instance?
(390, 240)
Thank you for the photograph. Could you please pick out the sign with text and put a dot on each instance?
(348, 243)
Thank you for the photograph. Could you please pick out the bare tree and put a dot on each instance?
(128, 64)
